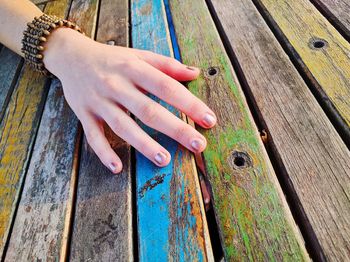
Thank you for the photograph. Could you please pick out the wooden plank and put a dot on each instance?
(337, 12)
(18, 129)
(10, 67)
(253, 218)
(315, 159)
(103, 217)
(319, 49)
(39, 224)
(170, 194)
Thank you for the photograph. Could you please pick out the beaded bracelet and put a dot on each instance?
(36, 35)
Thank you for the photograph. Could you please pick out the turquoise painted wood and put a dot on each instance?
(170, 213)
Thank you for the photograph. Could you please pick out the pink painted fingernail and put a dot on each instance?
(160, 158)
(209, 120)
(113, 167)
(197, 144)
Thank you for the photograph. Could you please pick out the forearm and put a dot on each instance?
(14, 16)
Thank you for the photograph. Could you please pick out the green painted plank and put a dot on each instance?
(253, 217)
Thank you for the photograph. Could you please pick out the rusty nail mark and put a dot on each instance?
(263, 135)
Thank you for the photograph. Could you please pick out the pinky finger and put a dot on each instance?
(95, 137)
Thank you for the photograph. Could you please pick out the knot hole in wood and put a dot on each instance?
(212, 71)
(240, 160)
(317, 43)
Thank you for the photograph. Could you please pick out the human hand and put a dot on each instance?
(101, 82)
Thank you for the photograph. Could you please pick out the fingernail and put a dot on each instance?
(113, 167)
(197, 144)
(160, 158)
(209, 120)
(191, 68)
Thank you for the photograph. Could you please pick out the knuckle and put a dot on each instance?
(195, 108)
(117, 126)
(182, 131)
(166, 89)
(107, 83)
(90, 136)
(148, 113)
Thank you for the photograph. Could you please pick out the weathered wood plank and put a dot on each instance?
(10, 67)
(103, 218)
(337, 12)
(253, 217)
(315, 158)
(18, 129)
(39, 224)
(319, 49)
(170, 194)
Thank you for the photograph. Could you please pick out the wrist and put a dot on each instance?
(60, 50)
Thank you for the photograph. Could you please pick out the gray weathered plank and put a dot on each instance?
(10, 66)
(103, 218)
(316, 161)
(38, 231)
(18, 128)
(338, 12)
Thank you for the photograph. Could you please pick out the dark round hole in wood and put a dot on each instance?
(240, 160)
(212, 71)
(317, 43)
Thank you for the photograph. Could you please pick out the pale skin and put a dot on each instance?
(101, 83)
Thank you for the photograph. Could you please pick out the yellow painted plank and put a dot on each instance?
(17, 130)
(302, 24)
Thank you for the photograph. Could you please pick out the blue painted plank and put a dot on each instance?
(170, 213)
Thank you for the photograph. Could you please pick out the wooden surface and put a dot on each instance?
(337, 12)
(103, 218)
(171, 194)
(18, 128)
(253, 218)
(300, 24)
(39, 225)
(10, 67)
(311, 153)
(58, 202)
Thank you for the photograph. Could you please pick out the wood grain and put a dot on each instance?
(10, 68)
(299, 25)
(170, 194)
(39, 225)
(253, 218)
(18, 129)
(315, 158)
(103, 217)
(337, 12)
